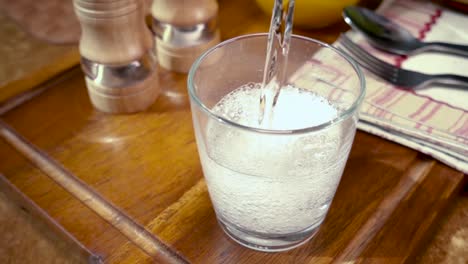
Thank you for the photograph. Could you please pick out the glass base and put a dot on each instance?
(268, 242)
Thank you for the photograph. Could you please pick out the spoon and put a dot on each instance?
(388, 36)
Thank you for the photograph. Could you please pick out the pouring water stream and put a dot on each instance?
(274, 74)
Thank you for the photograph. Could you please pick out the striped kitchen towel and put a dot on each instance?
(433, 120)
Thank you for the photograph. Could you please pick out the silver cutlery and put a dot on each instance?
(398, 76)
(388, 36)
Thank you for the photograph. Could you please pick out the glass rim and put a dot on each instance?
(342, 116)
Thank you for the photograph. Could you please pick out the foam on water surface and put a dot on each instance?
(295, 109)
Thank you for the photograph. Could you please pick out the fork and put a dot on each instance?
(397, 76)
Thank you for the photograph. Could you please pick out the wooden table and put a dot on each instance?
(130, 189)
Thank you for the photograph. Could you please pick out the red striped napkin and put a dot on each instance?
(432, 120)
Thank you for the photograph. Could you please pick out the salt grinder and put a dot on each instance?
(117, 55)
(183, 30)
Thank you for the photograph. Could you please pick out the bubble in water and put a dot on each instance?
(324, 206)
(251, 178)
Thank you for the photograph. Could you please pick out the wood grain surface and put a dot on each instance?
(386, 207)
(46, 240)
(51, 21)
(27, 61)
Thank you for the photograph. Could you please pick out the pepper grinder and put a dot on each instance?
(183, 30)
(117, 55)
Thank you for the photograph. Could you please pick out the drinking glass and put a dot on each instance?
(271, 188)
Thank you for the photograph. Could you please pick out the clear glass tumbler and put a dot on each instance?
(271, 188)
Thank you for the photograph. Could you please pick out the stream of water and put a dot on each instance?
(279, 38)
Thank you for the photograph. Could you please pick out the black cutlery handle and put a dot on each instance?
(452, 80)
(456, 49)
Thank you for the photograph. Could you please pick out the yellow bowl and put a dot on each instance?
(312, 13)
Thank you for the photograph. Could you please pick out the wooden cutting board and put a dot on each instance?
(28, 61)
(52, 21)
(386, 208)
